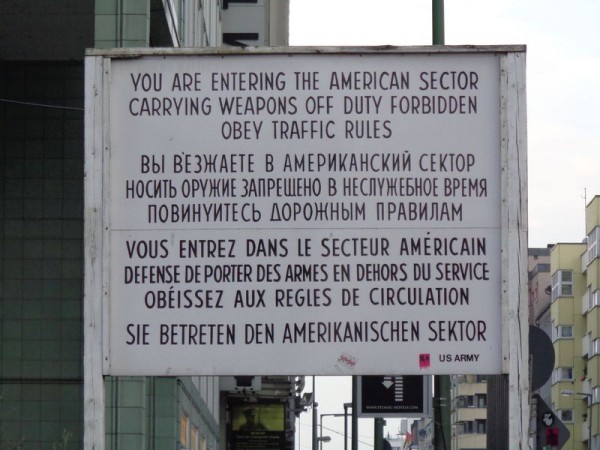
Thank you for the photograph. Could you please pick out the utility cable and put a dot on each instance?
(41, 105)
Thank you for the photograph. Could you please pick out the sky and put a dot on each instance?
(563, 97)
(563, 82)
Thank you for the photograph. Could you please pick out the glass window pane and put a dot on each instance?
(183, 427)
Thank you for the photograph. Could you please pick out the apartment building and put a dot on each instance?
(575, 315)
(469, 411)
(469, 393)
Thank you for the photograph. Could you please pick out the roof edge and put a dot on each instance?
(133, 52)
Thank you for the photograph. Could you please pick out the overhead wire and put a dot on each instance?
(339, 433)
(40, 105)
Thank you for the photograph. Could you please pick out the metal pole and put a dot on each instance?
(437, 9)
(378, 424)
(354, 413)
(346, 406)
(314, 417)
(321, 432)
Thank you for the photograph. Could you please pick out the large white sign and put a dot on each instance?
(304, 214)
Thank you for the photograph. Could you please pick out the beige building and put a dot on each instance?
(539, 300)
(575, 317)
(469, 393)
(469, 412)
(539, 284)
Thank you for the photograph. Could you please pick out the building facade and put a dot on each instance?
(470, 394)
(41, 219)
(539, 301)
(469, 412)
(575, 322)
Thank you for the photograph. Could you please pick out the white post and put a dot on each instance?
(515, 345)
(93, 384)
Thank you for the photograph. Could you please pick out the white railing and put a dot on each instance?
(585, 346)
(585, 427)
(585, 261)
(586, 302)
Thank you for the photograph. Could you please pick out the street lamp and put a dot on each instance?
(569, 393)
(346, 407)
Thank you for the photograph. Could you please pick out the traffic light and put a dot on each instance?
(300, 405)
(552, 436)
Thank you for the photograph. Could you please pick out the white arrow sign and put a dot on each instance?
(398, 382)
(387, 382)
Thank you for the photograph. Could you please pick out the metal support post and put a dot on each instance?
(437, 9)
(354, 413)
(346, 406)
(314, 417)
(378, 424)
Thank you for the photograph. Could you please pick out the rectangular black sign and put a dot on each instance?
(400, 395)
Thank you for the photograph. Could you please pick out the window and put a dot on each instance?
(474, 427)
(481, 400)
(194, 438)
(480, 426)
(183, 430)
(562, 284)
(565, 415)
(563, 332)
(563, 374)
(593, 243)
(595, 298)
(596, 394)
(596, 347)
(468, 427)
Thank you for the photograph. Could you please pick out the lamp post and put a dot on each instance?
(346, 406)
(315, 442)
(569, 393)
(322, 439)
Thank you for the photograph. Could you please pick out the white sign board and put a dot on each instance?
(304, 214)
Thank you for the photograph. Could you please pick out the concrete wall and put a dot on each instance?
(36, 29)
(41, 212)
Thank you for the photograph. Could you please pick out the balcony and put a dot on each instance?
(467, 389)
(585, 429)
(585, 261)
(585, 346)
(586, 302)
(467, 441)
(470, 414)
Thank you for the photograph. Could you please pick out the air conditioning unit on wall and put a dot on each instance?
(240, 384)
